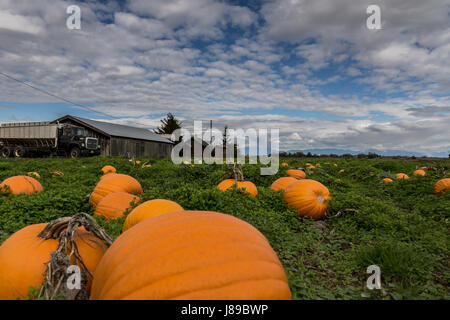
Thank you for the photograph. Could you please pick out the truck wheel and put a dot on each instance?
(19, 152)
(6, 152)
(75, 152)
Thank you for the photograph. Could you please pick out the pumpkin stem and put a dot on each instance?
(53, 229)
(233, 173)
(237, 174)
(56, 276)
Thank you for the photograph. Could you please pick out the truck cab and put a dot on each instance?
(74, 142)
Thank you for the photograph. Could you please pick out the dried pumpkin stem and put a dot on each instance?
(63, 230)
(53, 229)
(233, 173)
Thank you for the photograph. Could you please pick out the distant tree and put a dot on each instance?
(225, 138)
(227, 143)
(361, 156)
(169, 125)
(309, 155)
(372, 155)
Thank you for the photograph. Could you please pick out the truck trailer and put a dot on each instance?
(44, 138)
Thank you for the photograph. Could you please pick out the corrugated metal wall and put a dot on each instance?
(139, 148)
(29, 131)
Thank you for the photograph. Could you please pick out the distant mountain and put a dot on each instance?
(379, 152)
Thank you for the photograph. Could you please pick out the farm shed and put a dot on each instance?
(120, 140)
(195, 143)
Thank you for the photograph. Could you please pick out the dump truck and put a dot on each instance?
(45, 138)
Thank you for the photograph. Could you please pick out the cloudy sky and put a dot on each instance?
(311, 68)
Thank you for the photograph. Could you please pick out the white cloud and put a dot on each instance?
(18, 23)
(295, 136)
(145, 62)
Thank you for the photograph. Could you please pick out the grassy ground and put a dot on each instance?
(402, 227)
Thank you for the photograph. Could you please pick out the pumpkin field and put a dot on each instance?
(367, 213)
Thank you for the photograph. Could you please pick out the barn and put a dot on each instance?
(121, 140)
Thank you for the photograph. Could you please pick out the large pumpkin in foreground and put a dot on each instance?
(442, 186)
(247, 185)
(191, 255)
(308, 197)
(21, 185)
(114, 182)
(115, 204)
(150, 209)
(23, 258)
(295, 173)
(282, 183)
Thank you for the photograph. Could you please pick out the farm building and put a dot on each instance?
(195, 142)
(120, 140)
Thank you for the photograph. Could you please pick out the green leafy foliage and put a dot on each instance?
(401, 226)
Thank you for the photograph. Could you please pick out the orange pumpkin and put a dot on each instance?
(334, 164)
(401, 176)
(308, 197)
(296, 173)
(191, 255)
(21, 185)
(318, 165)
(108, 169)
(150, 209)
(107, 175)
(114, 183)
(311, 167)
(308, 164)
(284, 164)
(24, 257)
(115, 204)
(138, 162)
(423, 168)
(282, 183)
(247, 185)
(387, 180)
(146, 166)
(341, 171)
(442, 186)
(419, 172)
